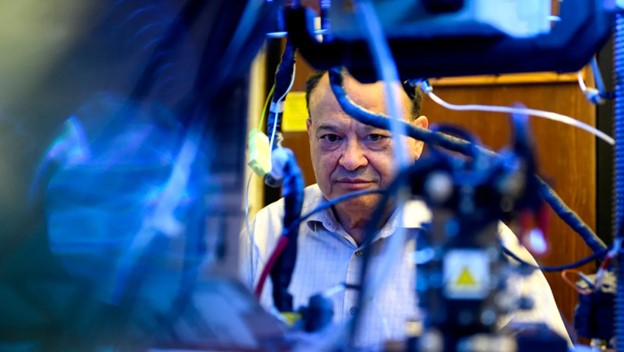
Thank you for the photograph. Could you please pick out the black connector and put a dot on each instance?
(318, 314)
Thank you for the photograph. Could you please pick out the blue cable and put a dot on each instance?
(599, 82)
(618, 132)
(569, 216)
(281, 274)
(331, 203)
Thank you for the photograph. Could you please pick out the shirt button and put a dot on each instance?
(353, 311)
(359, 253)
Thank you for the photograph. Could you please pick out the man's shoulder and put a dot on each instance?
(312, 197)
(510, 241)
(268, 222)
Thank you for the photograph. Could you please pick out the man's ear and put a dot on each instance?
(421, 122)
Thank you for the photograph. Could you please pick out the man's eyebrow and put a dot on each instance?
(368, 129)
(327, 127)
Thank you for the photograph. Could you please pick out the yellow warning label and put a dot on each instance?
(466, 274)
(465, 278)
(295, 113)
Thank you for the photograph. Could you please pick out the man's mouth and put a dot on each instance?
(353, 180)
(354, 183)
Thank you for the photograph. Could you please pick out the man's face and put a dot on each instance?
(349, 156)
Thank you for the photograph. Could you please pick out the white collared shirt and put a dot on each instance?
(328, 256)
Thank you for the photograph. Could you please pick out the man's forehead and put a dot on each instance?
(352, 87)
(370, 96)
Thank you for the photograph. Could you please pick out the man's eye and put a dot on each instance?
(376, 137)
(330, 137)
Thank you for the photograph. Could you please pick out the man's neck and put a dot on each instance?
(355, 222)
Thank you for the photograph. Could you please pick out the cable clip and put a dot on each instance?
(259, 152)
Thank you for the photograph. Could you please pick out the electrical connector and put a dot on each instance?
(259, 152)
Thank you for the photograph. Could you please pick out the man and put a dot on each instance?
(348, 156)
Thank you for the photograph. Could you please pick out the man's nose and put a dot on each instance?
(353, 156)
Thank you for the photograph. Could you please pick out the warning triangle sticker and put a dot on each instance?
(465, 278)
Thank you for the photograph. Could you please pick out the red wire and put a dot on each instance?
(279, 248)
(605, 262)
(564, 275)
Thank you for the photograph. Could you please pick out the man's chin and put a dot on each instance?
(356, 210)
(363, 201)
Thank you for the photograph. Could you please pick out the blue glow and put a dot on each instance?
(121, 182)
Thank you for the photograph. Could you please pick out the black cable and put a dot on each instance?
(380, 121)
(283, 79)
(576, 264)
(465, 171)
(448, 129)
(568, 215)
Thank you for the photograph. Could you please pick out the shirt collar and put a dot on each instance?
(415, 214)
(313, 199)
